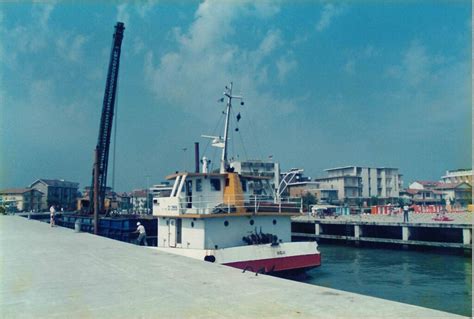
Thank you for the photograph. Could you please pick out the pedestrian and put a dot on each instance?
(405, 213)
(52, 212)
(141, 234)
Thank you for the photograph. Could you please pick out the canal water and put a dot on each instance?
(429, 279)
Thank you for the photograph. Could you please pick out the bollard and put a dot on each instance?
(77, 226)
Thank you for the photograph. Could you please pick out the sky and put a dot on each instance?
(325, 84)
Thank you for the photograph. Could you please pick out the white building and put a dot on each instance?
(141, 201)
(21, 199)
(458, 176)
(348, 187)
(381, 182)
(267, 169)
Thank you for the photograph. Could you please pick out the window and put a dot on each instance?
(199, 185)
(215, 184)
(244, 185)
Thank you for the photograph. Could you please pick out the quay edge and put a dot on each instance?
(55, 272)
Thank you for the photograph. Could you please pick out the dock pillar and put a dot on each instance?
(405, 233)
(317, 229)
(357, 231)
(466, 236)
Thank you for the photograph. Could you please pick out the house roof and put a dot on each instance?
(428, 182)
(56, 182)
(17, 190)
(451, 185)
(139, 193)
(355, 166)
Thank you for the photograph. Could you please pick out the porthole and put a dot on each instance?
(226, 223)
(274, 222)
(252, 222)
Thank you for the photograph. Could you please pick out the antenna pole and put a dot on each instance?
(224, 164)
(228, 94)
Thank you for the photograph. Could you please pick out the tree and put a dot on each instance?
(308, 200)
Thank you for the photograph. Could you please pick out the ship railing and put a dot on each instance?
(250, 204)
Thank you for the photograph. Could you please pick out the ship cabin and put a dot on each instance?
(221, 210)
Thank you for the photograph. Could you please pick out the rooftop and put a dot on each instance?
(56, 182)
(346, 167)
(17, 190)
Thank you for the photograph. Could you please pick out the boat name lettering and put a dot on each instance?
(173, 207)
(281, 252)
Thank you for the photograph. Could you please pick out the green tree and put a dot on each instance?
(308, 200)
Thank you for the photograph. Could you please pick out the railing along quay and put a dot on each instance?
(421, 230)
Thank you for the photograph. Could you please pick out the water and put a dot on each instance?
(431, 280)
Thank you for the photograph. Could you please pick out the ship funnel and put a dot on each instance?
(196, 157)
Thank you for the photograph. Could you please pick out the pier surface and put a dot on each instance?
(56, 273)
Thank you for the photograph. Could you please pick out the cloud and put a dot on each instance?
(360, 56)
(42, 12)
(430, 84)
(138, 46)
(71, 47)
(123, 14)
(207, 57)
(285, 65)
(415, 67)
(330, 11)
(144, 7)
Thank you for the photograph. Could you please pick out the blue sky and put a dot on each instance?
(326, 84)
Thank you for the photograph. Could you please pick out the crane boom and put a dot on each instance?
(99, 182)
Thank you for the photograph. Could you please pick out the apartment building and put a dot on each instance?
(458, 176)
(380, 182)
(61, 193)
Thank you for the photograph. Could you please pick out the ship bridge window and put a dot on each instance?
(198, 185)
(244, 185)
(215, 184)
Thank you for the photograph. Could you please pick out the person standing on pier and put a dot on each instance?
(52, 212)
(141, 234)
(405, 213)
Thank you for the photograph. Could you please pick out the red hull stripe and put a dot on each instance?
(279, 264)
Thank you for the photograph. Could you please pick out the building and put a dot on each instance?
(21, 199)
(456, 193)
(140, 200)
(348, 188)
(124, 203)
(380, 182)
(458, 176)
(161, 190)
(324, 196)
(60, 193)
(266, 169)
(423, 196)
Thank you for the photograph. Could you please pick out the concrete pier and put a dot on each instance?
(53, 272)
(446, 235)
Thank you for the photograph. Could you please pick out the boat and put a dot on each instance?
(230, 218)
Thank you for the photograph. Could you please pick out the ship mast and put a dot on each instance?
(228, 94)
